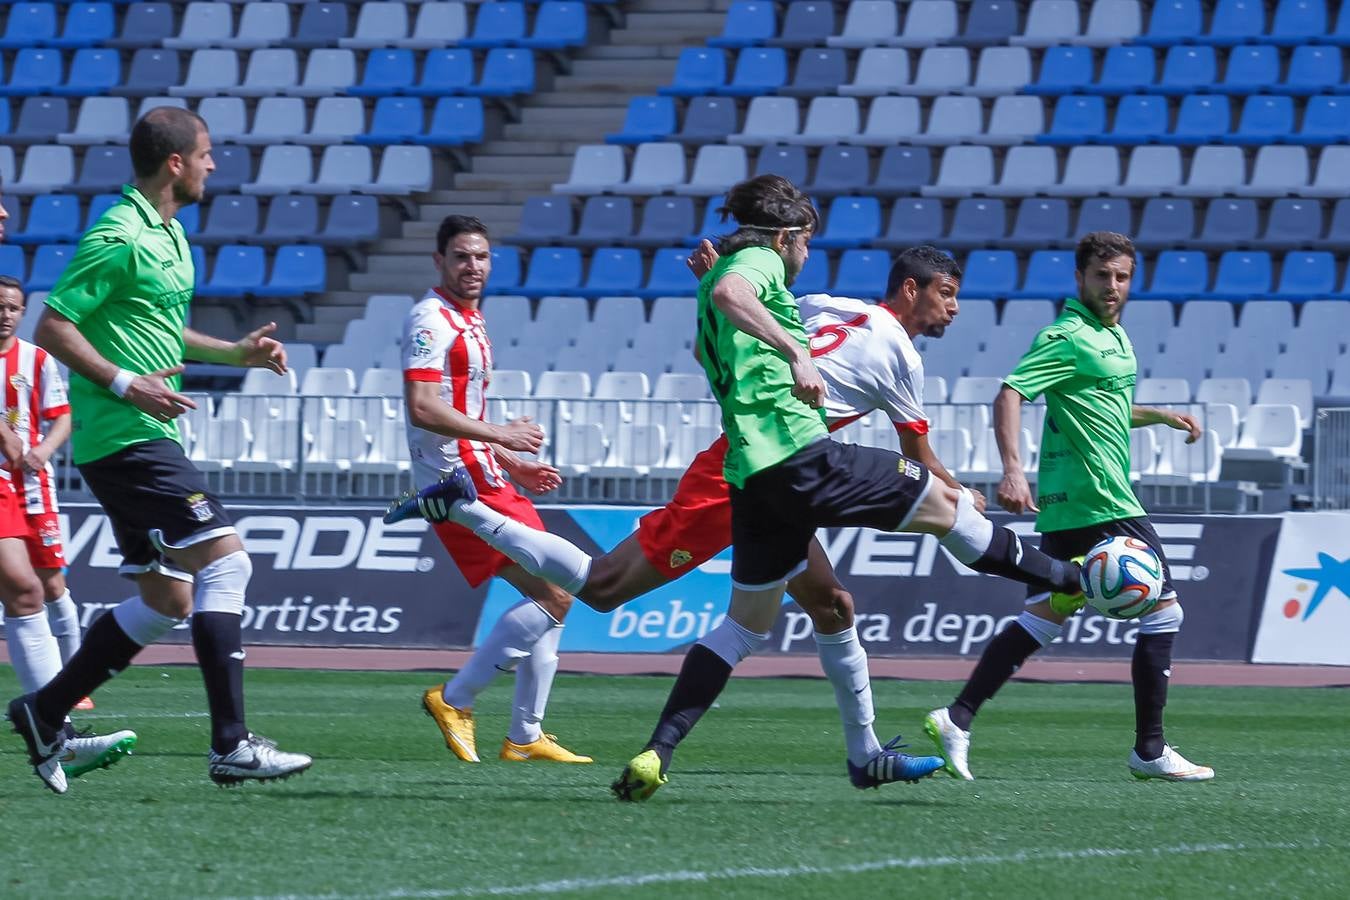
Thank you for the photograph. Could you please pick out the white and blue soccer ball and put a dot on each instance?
(1122, 578)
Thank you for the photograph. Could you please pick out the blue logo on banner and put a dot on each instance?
(1331, 574)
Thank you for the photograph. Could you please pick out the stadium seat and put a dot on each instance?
(1187, 69)
(145, 25)
(238, 270)
(444, 72)
(665, 221)
(1162, 391)
(40, 120)
(941, 70)
(927, 23)
(1076, 119)
(613, 271)
(403, 170)
(1064, 70)
(380, 24)
(1333, 173)
(657, 167)
(327, 70)
(596, 168)
(1326, 120)
(543, 220)
(1292, 223)
(780, 159)
(210, 71)
(291, 219)
(203, 25)
(232, 219)
(818, 71)
(829, 120)
(953, 120)
(47, 168)
(880, 70)
(1269, 431)
(1177, 275)
(706, 120)
(759, 70)
(28, 25)
(1278, 172)
(668, 276)
(913, 221)
(806, 23)
(976, 222)
(1214, 171)
(1088, 171)
(1312, 70)
(1307, 275)
(867, 23)
(51, 218)
(1297, 22)
(152, 72)
(989, 22)
(698, 70)
(506, 270)
(963, 170)
(1228, 223)
(227, 118)
(890, 121)
(716, 168)
(93, 70)
(862, 273)
(852, 222)
(769, 120)
(336, 120)
(297, 269)
(1112, 22)
(712, 227)
(321, 25)
(552, 270)
(647, 119)
(1251, 69)
(1265, 119)
(903, 170)
(282, 169)
(34, 70)
(388, 71)
(1142, 119)
(1104, 214)
(506, 72)
(1201, 119)
(990, 274)
(1296, 392)
(1050, 274)
(1039, 223)
(1001, 70)
(840, 169)
(1013, 120)
(275, 119)
(395, 120)
(260, 25)
(1173, 22)
(351, 220)
(750, 23)
(1049, 22)
(234, 168)
(1242, 275)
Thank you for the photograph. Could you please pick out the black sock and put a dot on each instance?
(1009, 557)
(700, 682)
(106, 650)
(218, 640)
(1150, 669)
(1004, 655)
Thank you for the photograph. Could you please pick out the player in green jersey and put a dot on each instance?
(118, 318)
(1084, 365)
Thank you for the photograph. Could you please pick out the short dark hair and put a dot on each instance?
(923, 264)
(763, 206)
(1102, 245)
(453, 226)
(9, 281)
(159, 134)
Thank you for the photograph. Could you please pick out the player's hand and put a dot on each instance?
(1185, 422)
(11, 445)
(521, 435)
(701, 261)
(1014, 494)
(978, 498)
(256, 350)
(536, 477)
(34, 461)
(152, 395)
(807, 385)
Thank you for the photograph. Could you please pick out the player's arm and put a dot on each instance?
(530, 474)
(426, 410)
(58, 432)
(914, 445)
(1143, 416)
(1014, 494)
(255, 350)
(737, 299)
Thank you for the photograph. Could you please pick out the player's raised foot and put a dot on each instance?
(1171, 766)
(890, 765)
(640, 778)
(433, 502)
(254, 759)
(86, 752)
(546, 749)
(952, 743)
(1065, 604)
(44, 742)
(455, 724)
(85, 703)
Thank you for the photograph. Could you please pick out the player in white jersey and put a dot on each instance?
(866, 357)
(447, 365)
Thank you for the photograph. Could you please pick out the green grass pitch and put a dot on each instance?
(758, 804)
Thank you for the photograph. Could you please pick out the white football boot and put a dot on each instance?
(952, 743)
(1171, 766)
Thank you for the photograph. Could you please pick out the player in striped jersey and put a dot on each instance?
(447, 365)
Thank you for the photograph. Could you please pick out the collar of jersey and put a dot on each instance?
(138, 200)
(460, 307)
(1074, 304)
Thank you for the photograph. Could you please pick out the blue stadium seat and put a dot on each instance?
(1242, 275)
(1292, 223)
(1125, 70)
(1201, 119)
(298, 269)
(234, 168)
(49, 261)
(101, 203)
(293, 218)
(1251, 69)
(144, 25)
(707, 120)
(395, 120)
(29, 25)
(669, 276)
(553, 270)
(1297, 22)
(606, 221)
(1173, 22)
(1040, 222)
(104, 170)
(238, 270)
(989, 274)
(1077, 118)
(558, 25)
(1140, 119)
(1307, 276)
(665, 221)
(505, 275)
(87, 25)
(1049, 276)
(862, 273)
(506, 72)
(840, 169)
(320, 25)
(852, 222)
(1187, 70)
(1340, 32)
(352, 219)
(712, 226)
(1177, 275)
(151, 73)
(444, 72)
(614, 272)
(914, 220)
(1311, 71)
(819, 71)
(1063, 71)
(759, 70)
(1235, 22)
(787, 161)
(190, 217)
(93, 70)
(903, 170)
(543, 220)
(1326, 120)
(455, 121)
(807, 23)
(497, 25)
(749, 23)
(387, 72)
(51, 218)
(988, 22)
(698, 70)
(12, 262)
(34, 70)
(1228, 223)
(40, 120)
(977, 222)
(814, 277)
(648, 119)
(1166, 222)
(1265, 120)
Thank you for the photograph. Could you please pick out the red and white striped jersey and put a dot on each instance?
(446, 342)
(867, 361)
(34, 395)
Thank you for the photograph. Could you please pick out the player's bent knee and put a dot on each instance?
(221, 585)
(831, 610)
(554, 601)
(1163, 621)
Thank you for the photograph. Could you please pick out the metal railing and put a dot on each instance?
(1331, 459)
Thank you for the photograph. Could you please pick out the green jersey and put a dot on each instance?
(763, 422)
(127, 289)
(1086, 371)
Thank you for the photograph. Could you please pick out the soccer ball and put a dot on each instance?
(1122, 578)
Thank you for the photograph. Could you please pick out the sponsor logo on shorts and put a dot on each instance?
(49, 533)
(680, 558)
(910, 469)
(200, 507)
(422, 339)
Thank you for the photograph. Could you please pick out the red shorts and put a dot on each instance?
(13, 522)
(44, 541)
(476, 560)
(695, 525)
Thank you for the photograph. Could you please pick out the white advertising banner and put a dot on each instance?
(1306, 617)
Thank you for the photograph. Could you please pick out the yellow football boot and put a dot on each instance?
(546, 748)
(640, 778)
(1068, 604)
(455, 724)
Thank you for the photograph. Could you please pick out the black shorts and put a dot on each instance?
(155, 499)
(775, 515)
(1073, 542)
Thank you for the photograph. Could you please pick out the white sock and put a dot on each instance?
(971, 533)
(510, 641)
(534, 681)
(1043, 630)
(64, 617)
(732, 641)
(32, 650)
(547, 556)
(845, 663)
(141, 623)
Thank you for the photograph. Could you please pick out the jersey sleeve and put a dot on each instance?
(905, 405)
(426, 342)
(101, 263)
(757, 269)
(1049, 362)
(53, 402)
